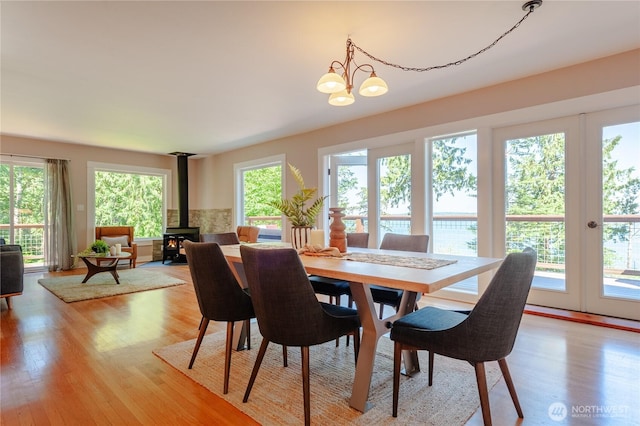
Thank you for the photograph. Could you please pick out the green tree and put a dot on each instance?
(261, 186)
(129, 199)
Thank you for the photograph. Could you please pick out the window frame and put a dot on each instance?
(238, 193)
(93, 167)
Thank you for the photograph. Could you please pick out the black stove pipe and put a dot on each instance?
(183, 188)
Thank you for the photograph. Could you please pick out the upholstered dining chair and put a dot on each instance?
(222, 238)
(248, 234)
(220, 296)
(486, 333)
(333, 287)
(390, 296)
(288, 312)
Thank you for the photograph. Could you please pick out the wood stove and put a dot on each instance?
(172, 243)
(173, 238)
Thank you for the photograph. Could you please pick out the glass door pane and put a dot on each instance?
(621, 211)
(535, 204)
(349, 189)
(455, 200)
(22, 212)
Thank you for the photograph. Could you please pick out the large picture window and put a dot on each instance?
(131, 196)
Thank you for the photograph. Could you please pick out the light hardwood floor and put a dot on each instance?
(91, 362)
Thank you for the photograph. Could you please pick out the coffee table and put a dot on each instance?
(96, 266)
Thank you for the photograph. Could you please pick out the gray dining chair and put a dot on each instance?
(220, 296)
(391, 296)
(222, 238)
(335, 288)
(288, 311)
(486, 333)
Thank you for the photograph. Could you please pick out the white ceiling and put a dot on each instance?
(208, 76)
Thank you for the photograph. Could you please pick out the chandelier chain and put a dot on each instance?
(458, 62)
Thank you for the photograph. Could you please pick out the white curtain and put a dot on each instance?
(60, 238)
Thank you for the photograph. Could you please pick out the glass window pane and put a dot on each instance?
(130, 199)
(395, 195)
(259, 186)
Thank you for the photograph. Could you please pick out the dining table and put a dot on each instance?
(409, 271)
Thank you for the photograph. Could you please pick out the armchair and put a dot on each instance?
(11, 272)
(119, 235)
(248, 234)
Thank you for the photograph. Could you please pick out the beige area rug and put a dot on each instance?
(71, 289)
(276, 397)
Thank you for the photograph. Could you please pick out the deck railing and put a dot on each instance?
(456, 234)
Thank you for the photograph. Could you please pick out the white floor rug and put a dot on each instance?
(71, 289)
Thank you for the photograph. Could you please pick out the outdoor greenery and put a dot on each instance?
(260, 186)
(28, 196)
(129, 199)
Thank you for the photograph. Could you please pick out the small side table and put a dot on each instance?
(97, 267)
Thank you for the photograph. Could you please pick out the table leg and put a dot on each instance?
(240, 341)
(96, 268)
(372, 329)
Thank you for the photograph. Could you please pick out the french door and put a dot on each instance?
(571, 190)
(612, 213)
(538, 205)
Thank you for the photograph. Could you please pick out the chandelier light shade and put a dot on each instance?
(373, 86)
(331, 82)
(340, 86)
(341, 98)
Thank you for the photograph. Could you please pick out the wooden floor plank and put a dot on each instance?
(91, 362)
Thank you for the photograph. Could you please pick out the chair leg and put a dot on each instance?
(431, 368)
(356, 344)
(338, 301)
(306, 386)
(247, 326)
(8, 299)
(256, 367)
(201, 321)
(227, 357)
(381, 310)
(203, 329)
(285, 358)
(512, 390)
(481, 378)
(397, 360)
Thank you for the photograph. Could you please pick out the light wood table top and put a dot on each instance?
(360, 276)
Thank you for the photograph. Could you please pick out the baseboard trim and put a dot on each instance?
(584, 318)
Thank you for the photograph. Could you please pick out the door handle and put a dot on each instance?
(592, 224)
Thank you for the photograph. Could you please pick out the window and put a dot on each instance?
(258, 182)
(125, 195)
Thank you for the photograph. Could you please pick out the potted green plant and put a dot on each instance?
(301, 211)
(99, 247)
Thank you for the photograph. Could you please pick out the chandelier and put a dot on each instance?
(340, 86)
